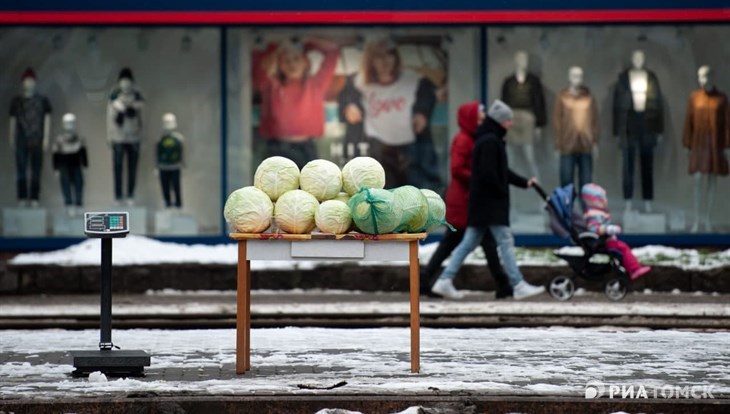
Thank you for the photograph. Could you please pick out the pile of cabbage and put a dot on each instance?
(332, 200)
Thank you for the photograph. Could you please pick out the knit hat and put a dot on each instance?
(125, 73)
(594, 196)
(500, 111)
(29, 73)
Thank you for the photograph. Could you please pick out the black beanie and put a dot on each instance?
(126, 73)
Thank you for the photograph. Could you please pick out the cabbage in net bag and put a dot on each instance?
(374, 211)
(414, 205)
(436, 211)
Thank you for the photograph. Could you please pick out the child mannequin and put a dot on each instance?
(598, 220)
(170, 160)
(69, 156)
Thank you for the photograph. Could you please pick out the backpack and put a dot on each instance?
(169, 150)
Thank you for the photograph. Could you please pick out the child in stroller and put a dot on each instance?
(592, 231)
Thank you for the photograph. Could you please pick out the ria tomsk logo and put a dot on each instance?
(594, 389)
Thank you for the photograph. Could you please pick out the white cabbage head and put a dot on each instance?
(322, 179)
(275, 176)
(294, 211)
(436, 210)
(374, 211)
(362, 172)
(414, 205)
(333, 216)
(248, 210)
(343, 196)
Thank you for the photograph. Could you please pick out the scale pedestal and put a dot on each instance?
(108, 360)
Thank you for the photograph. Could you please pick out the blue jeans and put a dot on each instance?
(570, 162)
(506, 247)
(25, 155)
(71, 177)
(132, 152)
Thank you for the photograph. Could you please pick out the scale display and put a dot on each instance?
(106, 224)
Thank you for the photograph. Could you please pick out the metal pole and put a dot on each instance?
(106, 294)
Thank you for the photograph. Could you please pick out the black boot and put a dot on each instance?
(503, 288)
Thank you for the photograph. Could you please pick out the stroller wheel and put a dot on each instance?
(561, 288)
(616, 289)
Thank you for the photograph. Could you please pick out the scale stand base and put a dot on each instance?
(111, 362)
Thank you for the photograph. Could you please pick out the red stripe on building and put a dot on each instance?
(362, 17)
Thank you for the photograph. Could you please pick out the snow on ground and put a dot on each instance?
(483, 361)
(139, 250)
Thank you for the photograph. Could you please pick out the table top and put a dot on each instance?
(329, 236)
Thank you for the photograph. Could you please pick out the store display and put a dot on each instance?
(124, 132)
(706, 137)
(30, 129)
(170, 160)
(69, 157)
(638, 125)
(576, 131)
(523, 92)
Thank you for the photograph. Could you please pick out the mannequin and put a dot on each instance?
(638, 125)
(170, 160)
(30, 130)
(523, 92)
(124, 132)
(707, 139)
(575, 122)
(69, 156)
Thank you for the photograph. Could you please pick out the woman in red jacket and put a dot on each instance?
(470, 115)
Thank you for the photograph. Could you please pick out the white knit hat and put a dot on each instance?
(500, 111)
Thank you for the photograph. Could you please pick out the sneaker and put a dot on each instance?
(525, 290)
(640, 272)
(446, 289)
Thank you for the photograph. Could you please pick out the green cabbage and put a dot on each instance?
(414, 205)
(294, 211)
(374, 211)
(275, 176)
(248, 210)
(362, 172)
(322, 179)
(343, 196)
(333, 216)
(436, 211)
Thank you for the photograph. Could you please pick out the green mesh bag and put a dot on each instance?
(374, 211)
(414, 205)
(436, 212)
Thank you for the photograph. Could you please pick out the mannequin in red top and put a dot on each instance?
(470, 115)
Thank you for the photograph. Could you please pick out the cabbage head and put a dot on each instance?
(414, 205)
(294, 211)
(362, 172)
(436, 211)
(374, 211)
(343, 196)
(275, 176)
(333, 216)
(322, 179)
(248, 210)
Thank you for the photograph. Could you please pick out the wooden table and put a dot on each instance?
(321, 246)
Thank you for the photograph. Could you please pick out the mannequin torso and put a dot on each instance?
(639, 83)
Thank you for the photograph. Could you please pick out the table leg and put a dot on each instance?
(415, 307)
(247, 345)
(241, 306)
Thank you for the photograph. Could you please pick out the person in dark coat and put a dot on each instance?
(470, 116)
(489, 205)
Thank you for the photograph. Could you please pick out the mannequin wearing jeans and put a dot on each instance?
(69, 156)
(30, 130)
(170, 161)
(124, 125)
(707, 139)
(575, 121)
(638, 125)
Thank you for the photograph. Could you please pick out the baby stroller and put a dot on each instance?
(567, 223)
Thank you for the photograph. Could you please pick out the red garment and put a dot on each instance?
(292, 108)
(462, 147)
(629, 260)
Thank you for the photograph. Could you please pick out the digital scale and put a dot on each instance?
(108, 360)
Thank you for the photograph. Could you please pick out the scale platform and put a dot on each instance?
(110, 362)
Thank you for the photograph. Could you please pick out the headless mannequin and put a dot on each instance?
(639, 81)
(28, 87)
(704, 184)
(522, 61)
